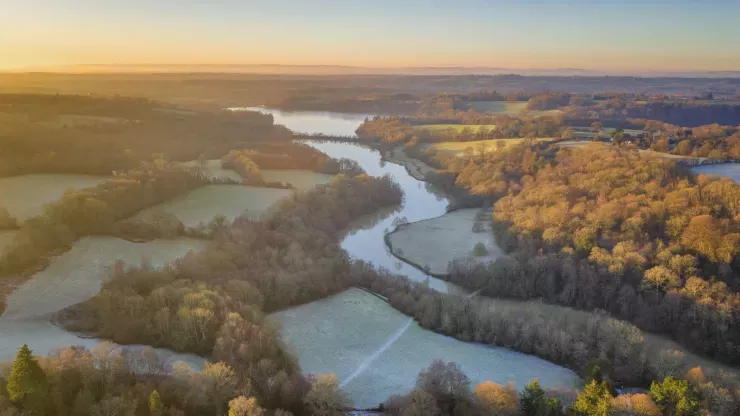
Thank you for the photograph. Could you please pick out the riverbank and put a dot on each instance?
(415, 167)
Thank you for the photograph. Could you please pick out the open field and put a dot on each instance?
(205, 203)
(458, 148)
(299, 178)
(212, 168)
(77, 275)
(499, 107)
(726, 170)
(376, 351)
(25, 196)
(436, 242)
(457, 128)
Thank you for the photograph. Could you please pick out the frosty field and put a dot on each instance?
(342, 334)
(436, 242)
(25, 196)
(231, 201)
(77, 275)
(299, 178)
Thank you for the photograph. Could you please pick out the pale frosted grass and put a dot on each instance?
(25, 196)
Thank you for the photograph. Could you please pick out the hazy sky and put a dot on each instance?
(592, 34)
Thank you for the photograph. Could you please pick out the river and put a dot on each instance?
(373, 349)
(314, 122)
(366, 375)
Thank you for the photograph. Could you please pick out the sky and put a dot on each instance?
(660, 35)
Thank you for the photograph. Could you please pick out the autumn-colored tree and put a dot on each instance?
(242, 406)
(635, 404)
(703, 235)
(497, 399)
(325, 397)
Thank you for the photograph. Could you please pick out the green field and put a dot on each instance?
(458, 148)
(499, 107)
(457, 128)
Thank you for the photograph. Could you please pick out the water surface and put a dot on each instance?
(725, 170)
(314, 122)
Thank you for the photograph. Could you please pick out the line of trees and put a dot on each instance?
(443, 389)
(565, 336)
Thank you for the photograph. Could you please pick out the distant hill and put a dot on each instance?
(356, 70)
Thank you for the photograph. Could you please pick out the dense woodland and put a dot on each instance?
(608, 229)
(98, 135)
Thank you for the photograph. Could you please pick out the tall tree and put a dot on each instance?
(27, 384)
(675, 397)
(595, 400)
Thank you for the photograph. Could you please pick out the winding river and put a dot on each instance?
(375, 350)
(372, 368)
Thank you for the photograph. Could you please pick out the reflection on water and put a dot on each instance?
(726, 170)
(368, 243)
(314, 122)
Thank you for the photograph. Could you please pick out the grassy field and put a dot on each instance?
(342, 333)
(457, 128)
(204, 204)
(458, 148)
(25, 196)
(77, 275)
(299, 178)
(499, 107)
(436, 242)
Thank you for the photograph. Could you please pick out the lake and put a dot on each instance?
(725, 170)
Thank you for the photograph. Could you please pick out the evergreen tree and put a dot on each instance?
(533, 402)
(155, 404)
(27, 383)
(532, 399)
(675, 397)
(596, 400)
